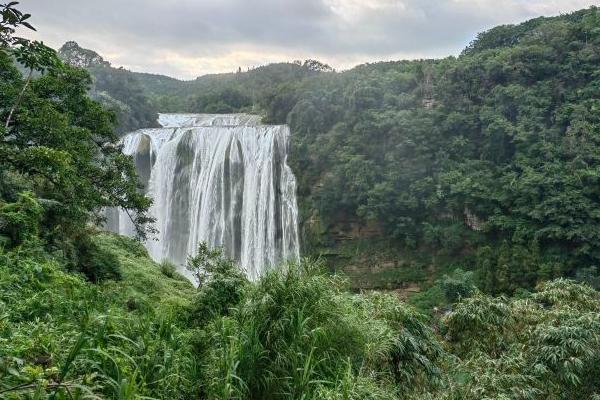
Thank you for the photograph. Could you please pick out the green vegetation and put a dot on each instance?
(491, 155)
(116, 88)
(486, 162)
(296, 333)
(542, 346)
(64, 337)
(493, 152)
(59, 162)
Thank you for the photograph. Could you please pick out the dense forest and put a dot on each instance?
(488, 159)
(116, 88)
(485, 162)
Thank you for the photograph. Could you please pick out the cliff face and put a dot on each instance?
(74, 55)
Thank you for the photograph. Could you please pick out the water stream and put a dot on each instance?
(218, 178)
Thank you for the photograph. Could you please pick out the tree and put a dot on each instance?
(206, 262)
(33, 55)
(12, 19)
(316, 66)
(221, 283)
(58, 143)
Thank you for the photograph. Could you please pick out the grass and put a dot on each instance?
(64, 337)
(142, 278)
(300, 334)
(297, 333)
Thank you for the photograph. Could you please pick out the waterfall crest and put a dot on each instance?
(218, 178)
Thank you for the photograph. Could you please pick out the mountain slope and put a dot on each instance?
(116, 88)
(487, 159)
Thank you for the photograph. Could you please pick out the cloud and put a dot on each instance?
(187, 38)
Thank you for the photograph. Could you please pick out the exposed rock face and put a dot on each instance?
(355, 229)
(74, 55)
(473, 221)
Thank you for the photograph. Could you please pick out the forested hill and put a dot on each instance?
(116, 88)
(492, 154)
(489, 159)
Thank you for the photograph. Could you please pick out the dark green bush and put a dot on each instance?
(95, 262)
(222, 284)
(458, 285)
(20, 221)
(168, 269)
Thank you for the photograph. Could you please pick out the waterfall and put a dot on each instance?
(222, 179)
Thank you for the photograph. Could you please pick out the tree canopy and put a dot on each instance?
(59, 157)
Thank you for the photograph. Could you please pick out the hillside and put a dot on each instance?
(60, 332)
(116, 88)
(146, 332)
(474, 176)
(216, 93)
(486, 161)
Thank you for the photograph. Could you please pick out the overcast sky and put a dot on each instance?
(188, 38)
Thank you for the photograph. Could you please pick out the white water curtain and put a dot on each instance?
(218, 178)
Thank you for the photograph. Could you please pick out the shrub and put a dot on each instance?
(545, 346)
(20, 221)
(222, 284)
(478, 316)
(298, 333)
(168, 269)
(96, 263)
(458, 285)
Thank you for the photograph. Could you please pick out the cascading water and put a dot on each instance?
(222, 179)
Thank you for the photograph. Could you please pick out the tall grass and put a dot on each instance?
(299, 334)
(62, 337)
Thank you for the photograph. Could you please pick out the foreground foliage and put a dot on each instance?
(296, 333)
(63, 337)
(60, 164)
(545, 346)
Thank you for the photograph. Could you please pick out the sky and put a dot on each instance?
(189, 38)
